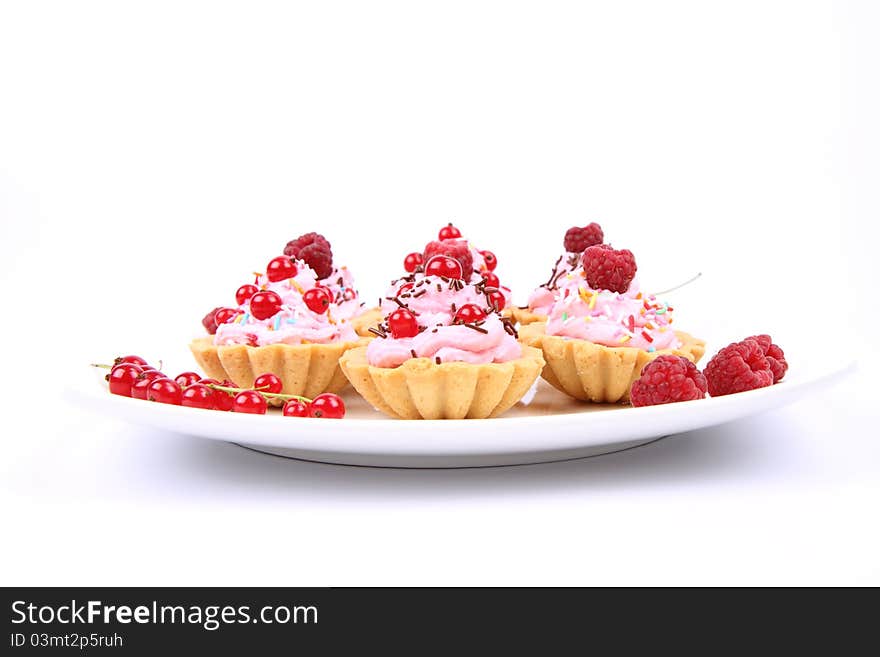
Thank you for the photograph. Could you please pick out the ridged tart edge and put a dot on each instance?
(422, 389)
(304, 369)
(592, 372)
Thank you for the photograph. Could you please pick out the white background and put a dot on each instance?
(153, 154)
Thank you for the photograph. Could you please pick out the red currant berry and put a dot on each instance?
(135, 360)
(411, 261)
(268, 383)
(122, 377)
(295, 408)
(206, 381)
(265, 304)
(328, 406)
(280, 268)
(140, 388)
(225, 315)
(317, 299)
(186, 379)
(164, 391)
(491, 280)
(223, 400)
(244, 293)
(496, 300)
(449, 232)
(469, 314)
(402, 324)
(490, 260)
(406, 287)
(249, 401)
(443, 266)
(198, 396)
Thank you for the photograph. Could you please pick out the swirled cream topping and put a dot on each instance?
(295, 323)
(632, 319)
(434, 301)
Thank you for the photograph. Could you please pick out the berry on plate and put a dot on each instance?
(668, 379)
(738, 367)
(774, 355)
(328, 406)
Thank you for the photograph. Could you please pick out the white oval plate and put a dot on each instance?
(552, 427)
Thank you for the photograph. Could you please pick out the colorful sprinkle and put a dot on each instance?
(647, 336)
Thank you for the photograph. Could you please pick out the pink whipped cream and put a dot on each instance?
(295, 323)
(632, 319)
(541, 300)
(434, 301)
(345, 296)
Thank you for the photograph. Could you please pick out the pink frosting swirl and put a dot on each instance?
(542, 298)
(434, 301)
(295, 323)
(632, 319)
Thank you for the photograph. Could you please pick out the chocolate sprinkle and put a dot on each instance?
(479, 329)
(509, 327)
(416, 295)
(378, 331)
(437, 360)
(551, 282)
(413, 352)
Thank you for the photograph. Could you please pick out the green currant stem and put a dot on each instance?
(104, 366)
(271, 395)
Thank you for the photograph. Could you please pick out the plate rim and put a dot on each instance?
(397, 434)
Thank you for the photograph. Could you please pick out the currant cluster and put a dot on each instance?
(266, 303)
(132, 376)
(449, 243)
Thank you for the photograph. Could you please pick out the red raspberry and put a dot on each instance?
(208, 321)
(668, 379)
(457, 249)
(319, 259)
(608, 269)
(577, 240)
(738, 367)
(774, 355)
(295, 246)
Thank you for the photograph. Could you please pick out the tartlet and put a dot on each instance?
(289, 323)
(596, 340)
(443, 350)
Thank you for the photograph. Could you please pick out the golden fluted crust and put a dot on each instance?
(369, 318)
(593, 372)
(304, 369)
(524, 316)
(421, 389)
